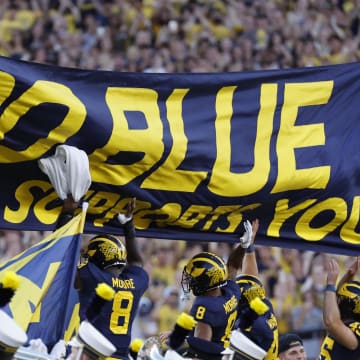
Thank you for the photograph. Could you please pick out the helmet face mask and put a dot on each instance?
(185, 281)
(204, 272)
(349, 300)
(106, 251)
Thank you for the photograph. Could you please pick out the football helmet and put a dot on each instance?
(250, 288)
(349, 300)
(105, 251)
(204, 272)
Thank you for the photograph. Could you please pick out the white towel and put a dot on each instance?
(68, 171)
(59, 350)
(173, 355)
(38, 346)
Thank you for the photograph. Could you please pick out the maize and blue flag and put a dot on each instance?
(200, 152)
(46, 303)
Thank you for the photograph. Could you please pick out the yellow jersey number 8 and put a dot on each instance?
(121, 310)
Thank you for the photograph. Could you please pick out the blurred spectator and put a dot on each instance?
(307, 314)
(164, 260)
(291, 347)
(145, 325)
(11, 244)
(316, 277)
(167, 312)
(307, 321)
(283, 301)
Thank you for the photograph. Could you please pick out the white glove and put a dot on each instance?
(123, 219)
(245, 240)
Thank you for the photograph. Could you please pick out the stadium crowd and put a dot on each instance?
(167, 36)
(181, 35)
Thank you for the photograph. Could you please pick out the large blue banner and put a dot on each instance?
(200, 152)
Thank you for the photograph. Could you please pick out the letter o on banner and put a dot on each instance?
(305, 231)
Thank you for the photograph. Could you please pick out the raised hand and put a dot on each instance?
(354, 267)
(255, 228)
(250, 232)
(245, 239)
(70, 204)
(130, 207)
(332, 268)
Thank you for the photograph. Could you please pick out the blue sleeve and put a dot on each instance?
(234, 287)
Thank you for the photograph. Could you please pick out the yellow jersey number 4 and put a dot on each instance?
(326, 347)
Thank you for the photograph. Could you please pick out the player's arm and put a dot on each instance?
(236, 257)
(203, 331)
(66, 214)
(67, 211)
(235, 261)
(133, 254)
(331, 313)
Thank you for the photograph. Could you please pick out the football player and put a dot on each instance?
(214, 307)
(256, 317)
(108, 260)
(341, 314)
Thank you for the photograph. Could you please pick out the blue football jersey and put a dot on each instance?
(331, 350)
(261, 329)
(219, 312)
(116, 317)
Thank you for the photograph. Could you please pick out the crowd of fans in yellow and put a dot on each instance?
(180, 35)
